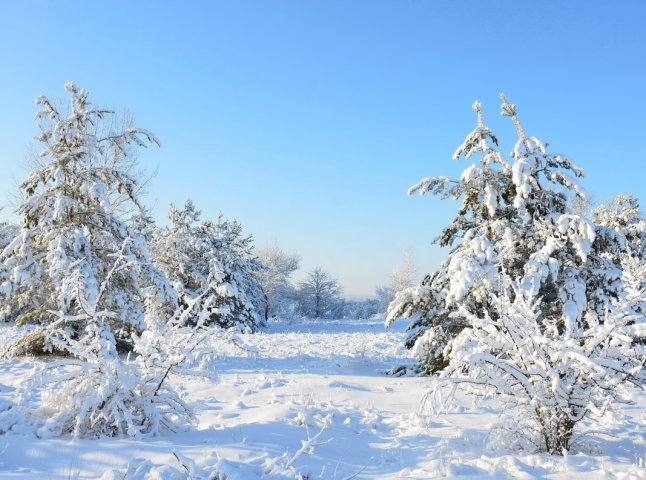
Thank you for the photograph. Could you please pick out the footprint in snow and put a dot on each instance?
(224, 416)
(347, 386)
(272, 383)
(239, 405)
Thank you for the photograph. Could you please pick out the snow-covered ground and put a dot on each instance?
(313, 399)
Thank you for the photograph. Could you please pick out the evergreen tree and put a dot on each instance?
(623, 216)
(212, 267)
(508, 214)
(475, 235)
(8, 232)
(73, 229)
(82, 270)
(534, 302)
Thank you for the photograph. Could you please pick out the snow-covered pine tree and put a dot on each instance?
(554, 339)
(508, 211)
(239, 279)
(212, 263)
(476, 235)
(74, 213)
(8, 232)
(622, 215)
(90, 268)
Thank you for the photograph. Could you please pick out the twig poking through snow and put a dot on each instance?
(307, 444)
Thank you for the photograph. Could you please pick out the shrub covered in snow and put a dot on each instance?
(94, 391)
(547, 377)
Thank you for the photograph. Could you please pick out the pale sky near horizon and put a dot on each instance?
(308, 121)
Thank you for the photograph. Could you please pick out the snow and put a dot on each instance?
(491, 200)
(311, 398)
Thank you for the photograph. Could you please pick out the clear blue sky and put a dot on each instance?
(308, 121)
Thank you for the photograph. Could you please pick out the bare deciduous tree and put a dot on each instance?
(318, 294)
(274, 277)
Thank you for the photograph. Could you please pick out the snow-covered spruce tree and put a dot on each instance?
(553, 338)
(477, 235)
(240, 274)
(213, 264)
(8, 232)
(73, 220)
(570, 263)
(508, 211)
(622, 215)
